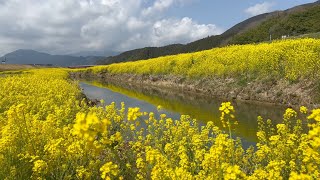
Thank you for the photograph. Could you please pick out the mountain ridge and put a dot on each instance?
(234, 35)
(28, 56)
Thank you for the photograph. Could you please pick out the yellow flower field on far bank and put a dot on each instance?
(284, 59)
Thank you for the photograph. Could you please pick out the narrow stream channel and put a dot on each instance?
(174, 104)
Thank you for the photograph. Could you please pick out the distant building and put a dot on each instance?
(3, 61)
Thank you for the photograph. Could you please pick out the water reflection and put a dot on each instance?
(176, 103)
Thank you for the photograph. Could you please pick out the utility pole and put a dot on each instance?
(270, 35)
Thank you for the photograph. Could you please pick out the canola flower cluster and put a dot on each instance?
(48, 132)
(285, 59)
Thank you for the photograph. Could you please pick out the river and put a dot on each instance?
(174, 104)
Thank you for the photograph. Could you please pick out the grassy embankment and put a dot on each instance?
(47, 132)
(285, 72)
(310, 35)
(14, 67)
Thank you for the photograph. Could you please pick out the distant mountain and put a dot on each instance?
(26, 56)
(95, 53)
(295, 21)
(144, 53)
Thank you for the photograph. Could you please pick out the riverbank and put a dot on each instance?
(280, 92)
(281, 72)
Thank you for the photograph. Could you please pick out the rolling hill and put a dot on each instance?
(26, 56)
(291, 22)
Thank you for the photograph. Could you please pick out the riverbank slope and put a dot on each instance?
(281, 72)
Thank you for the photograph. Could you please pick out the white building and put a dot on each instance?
(3, 61)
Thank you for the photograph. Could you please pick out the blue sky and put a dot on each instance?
(226, 13)
(70, 26)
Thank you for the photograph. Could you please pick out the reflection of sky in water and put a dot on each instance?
(109, 96)
(202, 109)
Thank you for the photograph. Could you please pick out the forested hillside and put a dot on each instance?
(293, 22)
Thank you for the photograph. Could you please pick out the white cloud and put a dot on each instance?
(77, 25)
(162, 5)
(259, 8)
(158, 6)
(180, 31)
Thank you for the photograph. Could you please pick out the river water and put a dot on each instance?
(174, 104)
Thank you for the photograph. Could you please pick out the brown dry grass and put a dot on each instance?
(14, 67)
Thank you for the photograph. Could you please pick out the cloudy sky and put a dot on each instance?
(67, 26)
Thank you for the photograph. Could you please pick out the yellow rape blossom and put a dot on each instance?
(303, 109)
(109, 170)
(48, 134)
(40, 167)
(134, 113)
(315, 115)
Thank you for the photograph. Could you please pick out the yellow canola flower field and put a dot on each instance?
(288, 59)
(48, 132)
